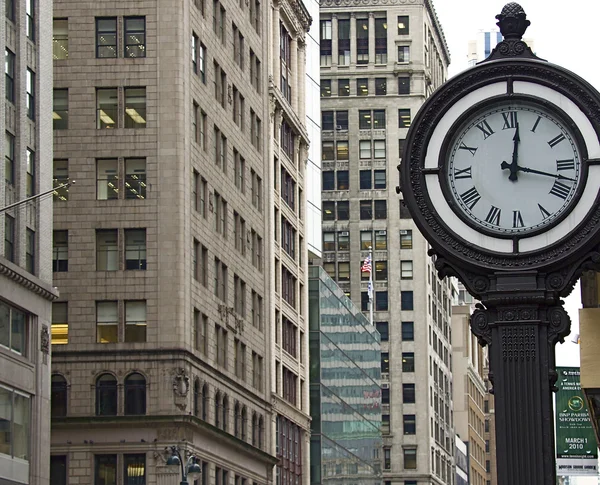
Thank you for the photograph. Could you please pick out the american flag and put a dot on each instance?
(367, 266)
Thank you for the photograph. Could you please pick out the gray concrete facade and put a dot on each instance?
(379, 62)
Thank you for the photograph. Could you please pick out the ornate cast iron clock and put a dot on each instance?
(501, 168)
(501, 173)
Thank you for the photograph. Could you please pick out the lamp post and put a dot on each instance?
(190, 469)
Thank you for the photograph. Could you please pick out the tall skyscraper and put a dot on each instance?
(181, 253)
(379, 62)
(26, 290)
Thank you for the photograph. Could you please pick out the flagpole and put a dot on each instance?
(371, 285)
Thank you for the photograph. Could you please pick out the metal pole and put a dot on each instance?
(37, 196)
(371, 289)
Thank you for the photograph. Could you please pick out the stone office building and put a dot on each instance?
(26, 290)
(181, 253)
(379, 62)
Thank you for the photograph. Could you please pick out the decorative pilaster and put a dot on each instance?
(275, 45)
(353, 39)
(334, 40)
(371, 38)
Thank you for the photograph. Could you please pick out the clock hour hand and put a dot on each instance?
(539, 172)
(513, 166)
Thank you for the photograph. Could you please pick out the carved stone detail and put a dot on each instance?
(181, 388)
(519, 343)
(45, 340)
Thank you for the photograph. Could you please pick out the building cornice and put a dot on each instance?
(297, 15)
(439, 30)
(26, 280)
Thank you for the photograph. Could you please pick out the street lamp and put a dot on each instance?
(190, 470)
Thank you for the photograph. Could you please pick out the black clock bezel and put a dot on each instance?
(442, 239)
(489, 104)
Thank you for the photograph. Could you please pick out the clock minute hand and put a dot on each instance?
(513, 166)
(539, 172)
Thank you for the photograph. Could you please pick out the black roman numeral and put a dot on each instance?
(517, 219)
(493, 216)
(510, 120)
(470, 197)
(485, 128)
(545, 213)
(560, 190)
(465, 173)
(565, 164)
(465, 147)
(537, 122)
(556, 140)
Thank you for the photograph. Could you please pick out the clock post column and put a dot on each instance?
(522, 322)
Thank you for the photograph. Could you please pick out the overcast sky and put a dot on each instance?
(564, 33)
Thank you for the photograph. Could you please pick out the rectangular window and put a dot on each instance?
(135, 321)
(408, 393)
(107, 108)
(60, 112)
(327, 120)
(383, 329)
(343, 87)
(135, 36)
(105, 472)
(378, 119)
(13, 332)
(366, 209)
(135, 178)
(107, 322)
(381, 301)
(403, 26)
(343, 272)
(403, 85)
(406, 270)
(328, 241)
(380, 209)
(343, 42)
(9, 75)
(60, 39)
(15, 412)
(58, 469)
(343, 180)
(328, 210)
(135, 249)
(387, 459)
(408, 331)
(342, 151)
(403, 54)
(408, 362)
(379, 149)
(381, 40)
(327, 152)
(107, 179)
(60, 326)
(366, 240)
(9, 10)
(381, 271)
(106, 37)
(385, 362)
(202, 63)
(9, 238)
(406, 300)
(343, 241)
(30, 166)
(135, 107)
(379, 178)
(362, 41)
(134, 469)
(107, 250)
(325, 88)
(60, 176)
(404, 118)
(362, 87)
(30, 250)
(381, 86)
(381, 241)
(405, 239)
(328, 180)
(194, 51)
(30, 94)
(325, 43)
(30, 25)
(410, 458)
(60, 251)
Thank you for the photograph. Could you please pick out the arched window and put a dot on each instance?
(244, 423)
(236, 420)
(205, 401)
(225, 413)
(261, 432)
(218, 409)
(197, 397)
(58, 396)
(135, 394)
(106, 395)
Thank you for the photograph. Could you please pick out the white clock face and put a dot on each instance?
(513, 168)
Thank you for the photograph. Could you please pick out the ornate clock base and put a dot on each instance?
(521, 326)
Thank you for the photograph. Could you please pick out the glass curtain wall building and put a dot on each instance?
(345, 392)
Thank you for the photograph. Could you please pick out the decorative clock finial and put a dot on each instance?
(512, 21)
